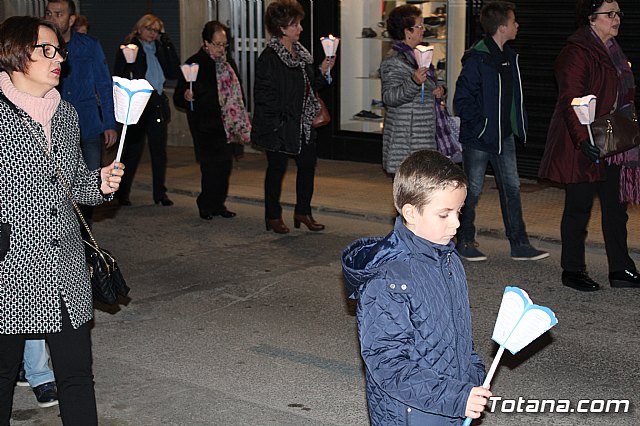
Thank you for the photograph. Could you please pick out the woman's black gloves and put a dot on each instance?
(592, 152)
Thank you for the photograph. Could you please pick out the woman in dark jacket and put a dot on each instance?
(284, 106)
(217, 117)
(156, 62)
(592, 62)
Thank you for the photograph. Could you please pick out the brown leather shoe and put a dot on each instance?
(277, 225)
(308, 220)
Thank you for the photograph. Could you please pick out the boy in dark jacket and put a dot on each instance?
(489, 101)
(413, 310)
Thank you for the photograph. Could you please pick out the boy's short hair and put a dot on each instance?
(422, 173)
(495, 14)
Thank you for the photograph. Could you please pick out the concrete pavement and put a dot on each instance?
(230, 325)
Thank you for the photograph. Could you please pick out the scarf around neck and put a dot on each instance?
(40, 109)
(310, 105)
(235, 118)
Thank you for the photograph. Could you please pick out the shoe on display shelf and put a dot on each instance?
(367, 115)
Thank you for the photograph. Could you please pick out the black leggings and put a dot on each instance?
(71, 357)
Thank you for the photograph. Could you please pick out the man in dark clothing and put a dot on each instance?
(488, 100)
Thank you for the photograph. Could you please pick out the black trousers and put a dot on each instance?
(575, 218)
(72, 360)
(216, 161)
(277, 166)
(153, 126)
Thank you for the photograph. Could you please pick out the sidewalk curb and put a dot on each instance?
(488, 232)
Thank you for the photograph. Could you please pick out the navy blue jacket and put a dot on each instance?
(478, 99)
(85, 75)
(415, 328)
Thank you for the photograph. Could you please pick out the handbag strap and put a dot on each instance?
(61, 177)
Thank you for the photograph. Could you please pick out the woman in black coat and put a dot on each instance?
(156, 62)
(284, 107)
(217, 117)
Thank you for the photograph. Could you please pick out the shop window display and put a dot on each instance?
(365, 42)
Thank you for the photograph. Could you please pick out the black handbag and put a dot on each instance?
(614, 133)
(107, 282)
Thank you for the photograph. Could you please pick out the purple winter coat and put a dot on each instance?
(582, 68)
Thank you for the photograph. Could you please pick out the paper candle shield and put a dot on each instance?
(130, 51)
(520, 321)
(424, 55)
(330, 45)
(130, 97)
(190, 71)
(585, 108)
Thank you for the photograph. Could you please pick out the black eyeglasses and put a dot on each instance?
(153, 30)
(49, 51)
(611, 14)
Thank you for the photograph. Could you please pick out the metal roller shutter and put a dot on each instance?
(544, 28)
(111, 21)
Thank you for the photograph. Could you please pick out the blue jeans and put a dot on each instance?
(92, 151)
(474, 163)
(36, 363)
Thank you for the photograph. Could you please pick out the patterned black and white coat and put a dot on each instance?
(42, 258)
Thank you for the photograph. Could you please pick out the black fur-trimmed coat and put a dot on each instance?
(41, 252)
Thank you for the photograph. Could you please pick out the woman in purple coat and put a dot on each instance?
(592, 62)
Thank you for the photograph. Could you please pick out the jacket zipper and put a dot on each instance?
(451, 302)
(524, 130)
(499, 114)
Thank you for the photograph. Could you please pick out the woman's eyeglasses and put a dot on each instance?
(153, 30)
(611, 14)
(219, 44)
(418, 27)
(49, 51)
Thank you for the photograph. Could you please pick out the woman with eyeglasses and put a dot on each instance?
(44, 281)
(410, 119)
(285, 104)
(217, 117)
(156, 61)
(592, 63)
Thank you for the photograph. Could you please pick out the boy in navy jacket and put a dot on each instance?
(490, 104)
(413, 311)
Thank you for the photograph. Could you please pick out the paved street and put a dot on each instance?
(231, 325)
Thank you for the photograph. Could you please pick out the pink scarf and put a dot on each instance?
(234, 115)
(40, 109)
